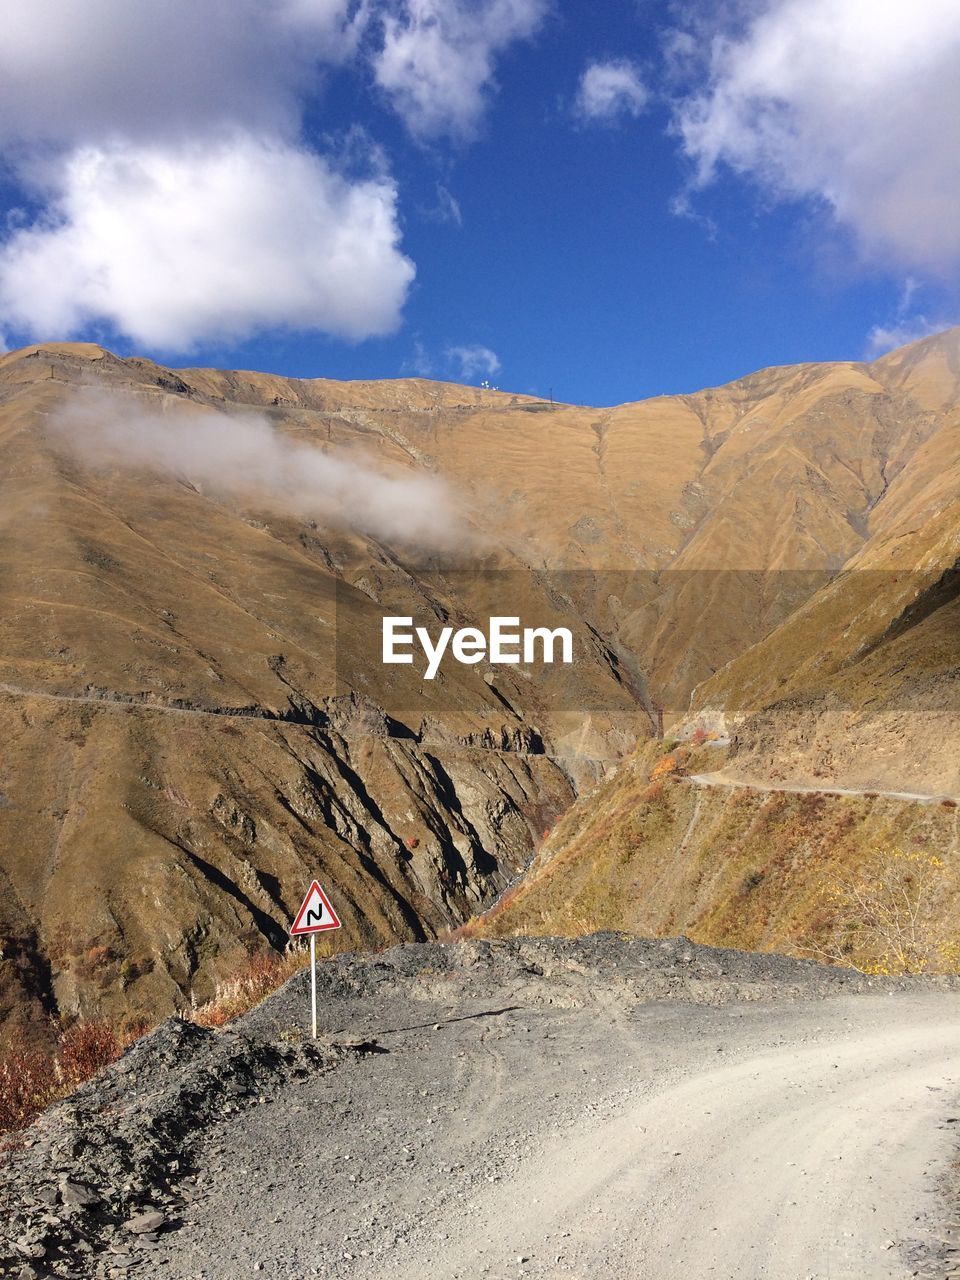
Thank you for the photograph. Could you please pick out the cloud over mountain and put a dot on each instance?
(242, 456)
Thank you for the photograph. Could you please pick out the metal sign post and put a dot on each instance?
(316, 915)
(313, 983)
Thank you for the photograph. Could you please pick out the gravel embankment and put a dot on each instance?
(592, 1108)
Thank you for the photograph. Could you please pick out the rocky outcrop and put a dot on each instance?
(196, 720)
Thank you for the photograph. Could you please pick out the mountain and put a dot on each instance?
(193, 569)
(824, 760)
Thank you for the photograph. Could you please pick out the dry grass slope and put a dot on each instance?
(180, 757)
(764, 871)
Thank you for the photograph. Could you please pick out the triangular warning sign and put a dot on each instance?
(316, 915)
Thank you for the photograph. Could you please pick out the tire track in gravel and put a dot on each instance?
(808, 1161)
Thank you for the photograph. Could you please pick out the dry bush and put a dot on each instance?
(27, 1084)
(752, 881)
(33, 1079)
(670, 765)
(263, 973)
(888, 918)
(86, 1048)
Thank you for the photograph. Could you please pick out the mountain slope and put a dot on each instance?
(195, 716)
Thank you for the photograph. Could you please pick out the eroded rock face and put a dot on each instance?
(192, 850)
(195, 720)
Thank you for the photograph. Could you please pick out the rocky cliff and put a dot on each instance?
(195, 718)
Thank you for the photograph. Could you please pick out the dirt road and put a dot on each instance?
(804, 1160)
(720, 779)
(635, 1111)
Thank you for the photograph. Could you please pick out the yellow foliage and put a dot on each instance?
(671, 765)
(885, 919)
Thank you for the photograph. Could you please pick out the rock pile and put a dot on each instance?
(110, 1168)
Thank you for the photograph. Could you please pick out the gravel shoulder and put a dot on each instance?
(543, 1108)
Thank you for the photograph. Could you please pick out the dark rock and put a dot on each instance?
(79, 1194)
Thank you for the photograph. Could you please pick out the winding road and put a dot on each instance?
(807, 1160)
(720, 779)
(797, 1139)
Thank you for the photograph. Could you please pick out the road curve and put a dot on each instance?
(795, 1163)
(797, 1139)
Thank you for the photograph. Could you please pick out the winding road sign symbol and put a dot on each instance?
(316, 915)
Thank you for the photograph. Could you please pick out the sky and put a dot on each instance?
(601, 202)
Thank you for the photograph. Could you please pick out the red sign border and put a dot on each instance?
(295, 929)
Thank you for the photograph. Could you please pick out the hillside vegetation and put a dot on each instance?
(196, 721)
(741, 867)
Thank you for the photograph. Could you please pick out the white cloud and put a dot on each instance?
(473, 360)
(177, 199)
(437, 60)
(610, 90)
(75, 70)
(850, 102)
(243, 457)
(907, 325)
(883, 338)
(448, 207)
(171, 245)
(420, 363)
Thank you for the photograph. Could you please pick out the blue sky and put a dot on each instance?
(608, 202)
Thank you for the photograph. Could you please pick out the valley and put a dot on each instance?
(196, 720)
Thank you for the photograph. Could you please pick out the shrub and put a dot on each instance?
(33, 1079)
(751, 881)
(27, 1085)
(669, 766)
(885, 919)
(86, 1048)
(263, 973)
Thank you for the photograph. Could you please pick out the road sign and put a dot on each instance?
(316, 915)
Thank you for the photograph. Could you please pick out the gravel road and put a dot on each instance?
(599, 1109)
(720, 779)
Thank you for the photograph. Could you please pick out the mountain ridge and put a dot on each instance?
(675, 536)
